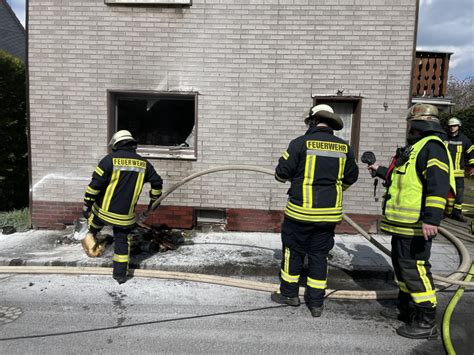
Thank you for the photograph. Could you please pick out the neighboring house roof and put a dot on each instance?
(12, 33)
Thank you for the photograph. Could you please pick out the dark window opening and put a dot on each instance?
(164, 124)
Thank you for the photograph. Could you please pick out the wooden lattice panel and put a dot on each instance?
(430, 74)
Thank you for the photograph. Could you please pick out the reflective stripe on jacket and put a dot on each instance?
(462, 153)
(319, 166)
(406, 197)
(116, 186)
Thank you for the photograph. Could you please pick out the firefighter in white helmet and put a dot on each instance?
(319, 166)
(112, 195)
(462, 154)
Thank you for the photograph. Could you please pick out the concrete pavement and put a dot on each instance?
(234, 254)
(69, 305)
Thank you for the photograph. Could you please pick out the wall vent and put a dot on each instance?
(210, 216)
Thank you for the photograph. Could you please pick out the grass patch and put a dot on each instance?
(19, 219)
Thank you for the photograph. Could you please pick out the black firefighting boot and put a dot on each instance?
(120, 271)
(316, 311)
(422, 326)
(279, 298)
(402, 311)
(120, 279)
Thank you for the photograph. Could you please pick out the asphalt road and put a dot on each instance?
(53, 314)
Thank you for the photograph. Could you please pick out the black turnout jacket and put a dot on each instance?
(320, 166)
(116, 186)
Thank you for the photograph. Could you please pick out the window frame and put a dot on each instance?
(153, 151)
(356, 102)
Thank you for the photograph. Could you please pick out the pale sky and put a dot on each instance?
(447, 26)
(443, 26)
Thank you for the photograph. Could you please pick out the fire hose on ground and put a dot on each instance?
(460, 233)
(259, 286)
(448, 345)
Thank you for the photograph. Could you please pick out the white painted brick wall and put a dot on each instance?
(255, 64)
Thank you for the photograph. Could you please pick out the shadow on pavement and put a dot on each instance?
(376, 273)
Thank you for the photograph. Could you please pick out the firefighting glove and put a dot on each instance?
(92, 246)
(86, 211)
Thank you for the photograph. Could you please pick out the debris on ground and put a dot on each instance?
(8, 230)
(156, 239)
(145, 238)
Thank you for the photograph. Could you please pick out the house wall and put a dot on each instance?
(255, 64)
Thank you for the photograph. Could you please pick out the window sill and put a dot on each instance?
(177, 153)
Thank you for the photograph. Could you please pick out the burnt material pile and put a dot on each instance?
(156, 239)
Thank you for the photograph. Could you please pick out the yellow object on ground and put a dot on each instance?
(92, 247)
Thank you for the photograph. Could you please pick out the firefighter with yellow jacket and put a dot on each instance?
(319, 166)
(112, 195)
(418, 182)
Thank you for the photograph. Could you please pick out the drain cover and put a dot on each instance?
(9, 314)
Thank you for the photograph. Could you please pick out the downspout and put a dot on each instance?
(28, 118)
(415, 37)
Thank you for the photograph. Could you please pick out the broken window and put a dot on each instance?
(164, 124)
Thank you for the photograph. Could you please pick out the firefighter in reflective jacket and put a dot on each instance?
(462, 154)
(112, 195)
(320, 166)
(418, 182)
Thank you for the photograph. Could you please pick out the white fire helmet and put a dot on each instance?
(454, 122)
(120, 136)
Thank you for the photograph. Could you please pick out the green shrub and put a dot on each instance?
(14, 184)
(19, 219)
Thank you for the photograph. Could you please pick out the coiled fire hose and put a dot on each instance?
(460, 233)
(448, 345)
